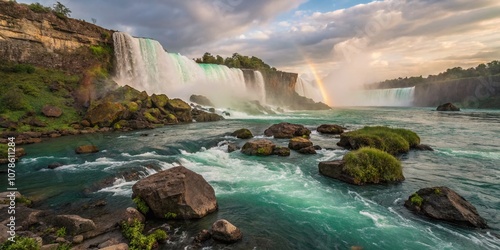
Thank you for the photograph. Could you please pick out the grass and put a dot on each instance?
(141, 205)
(139, 241)
(393, 141)
(21, 243)
(61, 232)
(371, 165)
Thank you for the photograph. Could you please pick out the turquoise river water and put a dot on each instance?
(284, 203)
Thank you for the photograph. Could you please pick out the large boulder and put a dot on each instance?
(330, 129)
(298, 143)
(447, 107)
(287, 130)
(334, 169)
(202, 116)
(442, 203)
(74, 224)
(105, 114)
(177, 190)
(86, 149)
(180, 109)
(51, 111)
(242, 133)
(200, 99)
(260, 147)
(159, 101)
(223, 230)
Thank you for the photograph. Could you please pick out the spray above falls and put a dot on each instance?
(143, 64)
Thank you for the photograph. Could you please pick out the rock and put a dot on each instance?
(86, 149)
(74, 224)
(85, 123)
(334, 169)
(231, 147)
(211, 110)
(317, 147)
(442, 203)
(78, 239)
(180, 109)
(297, 143)
(202, 236)
(260, 147)
(54, 246)
(242, 133)
(60, 240)
(223, 230)
(447, 107)
(330, 129)
(51, 111)
(281, 151)
(55, 165)
(121, 246)
(423, 147)
(35, 122)
(177, 190)
(311, 150)
(159, 101)
(131, 214)
(200, 99)
(105, 114)
(202, 116)
(287, 130)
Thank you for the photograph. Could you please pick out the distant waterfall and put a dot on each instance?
(143, 64)
(308, 89)
(400, 97)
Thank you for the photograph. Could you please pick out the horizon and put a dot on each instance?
(317, 39)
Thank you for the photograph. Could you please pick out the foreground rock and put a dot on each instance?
(177, 190)
(200, 99)
(364, 166)
(223, 230)
(447, 107)
(86, 149)
(442, 203)
(242, 133)
(330, 129)
(260, 147)
(287, 130)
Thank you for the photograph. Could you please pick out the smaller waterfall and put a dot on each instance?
(308, 88)
(397, 97)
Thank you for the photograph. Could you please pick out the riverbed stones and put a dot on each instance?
(179, 191)
(74, 224)
(287, 130)
(442, 203)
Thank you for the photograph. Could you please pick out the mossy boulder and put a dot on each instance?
(105, 114)
(242, 133)
(393, 141)
(364, 166)
(330, 129)
(298, 143)
(180, 109)
(159, 101)
(132, 107)
(51, 111)
(281, 151)
(125, 94)
(260, 147)
(287, 130)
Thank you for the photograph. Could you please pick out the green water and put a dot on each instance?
(283, 203)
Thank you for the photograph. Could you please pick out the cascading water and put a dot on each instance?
(396, 97)
(307, 88)
(143, 64)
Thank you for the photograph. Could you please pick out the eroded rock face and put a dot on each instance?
(287, 130)
(260, 147)
(447, 107)
(202, 116)
(442, 203)
(224, 231)
(177, 190)
(330, 129)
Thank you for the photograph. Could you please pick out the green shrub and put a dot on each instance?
(141, 205)
(38, 8)
(14, 100)
(371, 165)
(61, 232)
(416, 200)
(137, 240)
(21, 243)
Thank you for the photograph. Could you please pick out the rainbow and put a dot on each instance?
(319, 81)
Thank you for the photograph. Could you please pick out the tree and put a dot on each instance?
(94, 20)
(61, 10)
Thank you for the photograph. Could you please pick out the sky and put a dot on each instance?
(373, 40)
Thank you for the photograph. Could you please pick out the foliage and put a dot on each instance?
(393, 141)
(38, 8)
(18, 68)
(61, 232)
(236, 61)
(141, 205)
(3, 150)
(370, 165)
(437, 191)
(14, 100)
(24, 200)
(60, 10)
(416, 200)
(133, 232)
(66, 246)
(170, 215)
(21, 243)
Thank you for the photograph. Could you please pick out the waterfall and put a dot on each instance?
(307, 88)
(143, 64)
(399, 97)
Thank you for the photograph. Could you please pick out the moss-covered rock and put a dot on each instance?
(393, 141)
(159, 101)
(260, 147)
(132, 107)
(298, 143)
(242, 133)
(105, 114)
(180, 109)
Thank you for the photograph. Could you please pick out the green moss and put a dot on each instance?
(137, 240)
(264, 151)
(21, 243)
(150, 117)
(24, 200)
(170, 215)
(141, 205)
(370, 165)
(132, 106)
(437, 191)
(416, 200)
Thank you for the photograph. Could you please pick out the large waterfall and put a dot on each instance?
(399, 97)
(143, 64)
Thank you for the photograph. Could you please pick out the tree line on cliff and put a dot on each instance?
(482, 70)
(236, 61)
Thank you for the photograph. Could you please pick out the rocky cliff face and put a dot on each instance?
(471, 92)
(280, 86)
(43, 39)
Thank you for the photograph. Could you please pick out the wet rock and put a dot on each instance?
(131, 214)
(330, 129)
(177, 190)
(159, 101)
(86, 149)
(51, 111)
(55, 165)
(307, 150)
(442, 203)
(202, 116)
(298, 143)
(202, 236)
(281, 151)
(242, 133)
(180, 109)
(223, 230)
(447, 107)
(334, 169)
(260, 147)
(105, 114)
(200, 99)
(287, 130)
(423, 147)
(231, 147)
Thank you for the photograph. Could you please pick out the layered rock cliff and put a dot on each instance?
(46, 40)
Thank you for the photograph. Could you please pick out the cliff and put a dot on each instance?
(46, 40)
